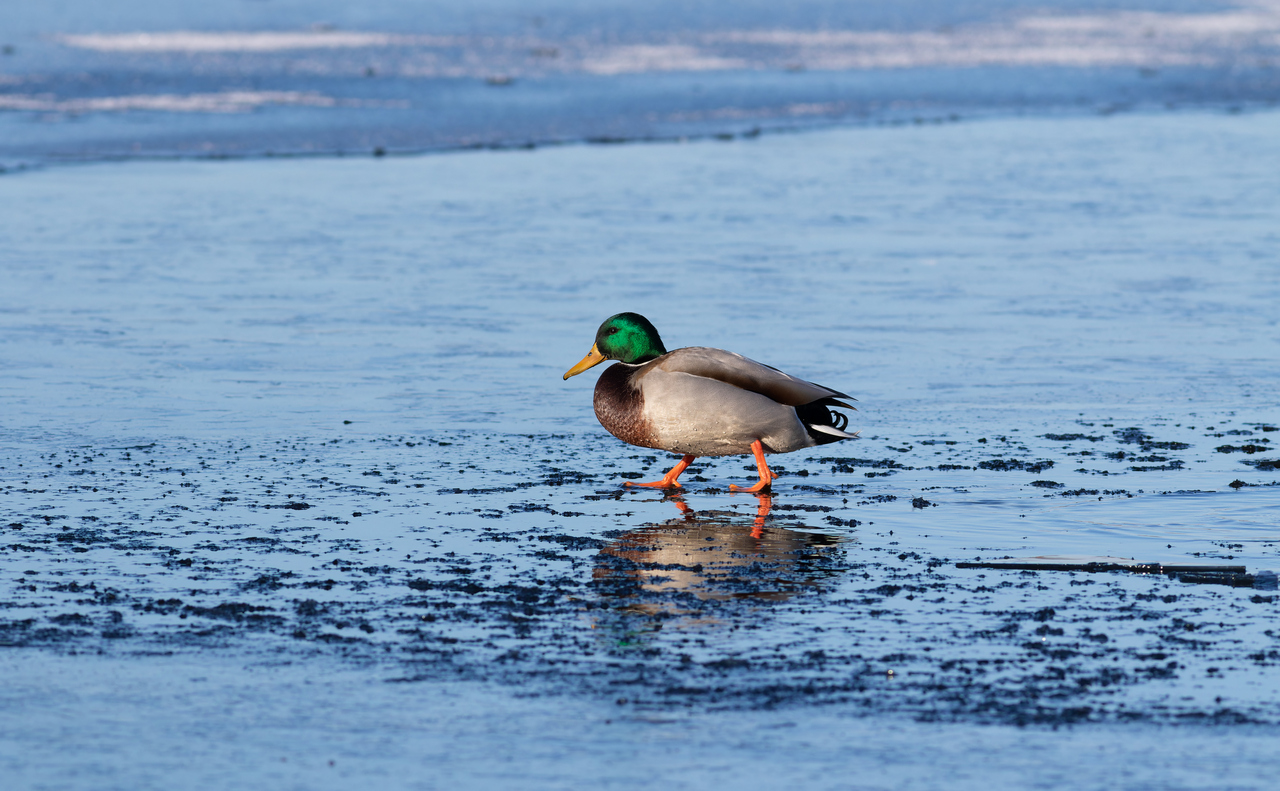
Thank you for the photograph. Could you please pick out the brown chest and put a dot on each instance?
(619, 406)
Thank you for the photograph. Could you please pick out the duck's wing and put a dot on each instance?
(747, 374)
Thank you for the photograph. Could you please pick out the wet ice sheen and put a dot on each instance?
(1025, 291)
(83, 82)
(1114, 268)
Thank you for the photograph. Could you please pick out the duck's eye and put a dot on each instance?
(613, 330)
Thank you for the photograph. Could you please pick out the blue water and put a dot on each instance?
(81, 81)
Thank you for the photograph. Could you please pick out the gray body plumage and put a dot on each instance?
(700, 401)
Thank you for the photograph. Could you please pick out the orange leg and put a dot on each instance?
(669, 480)
(766, 477)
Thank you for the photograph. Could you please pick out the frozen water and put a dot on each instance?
(1107, 270)
(85, 80)
(290, 475)
(292, 493)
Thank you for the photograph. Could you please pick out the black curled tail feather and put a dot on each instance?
(818, 413)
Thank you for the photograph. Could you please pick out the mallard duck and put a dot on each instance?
(704, 402)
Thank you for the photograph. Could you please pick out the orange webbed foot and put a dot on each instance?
(669, 480)
(760, 486)
(662, 484)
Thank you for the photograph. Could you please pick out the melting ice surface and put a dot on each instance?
(292, 492)
(86, 80)
(290, 476)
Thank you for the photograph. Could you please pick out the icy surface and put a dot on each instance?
(82, 80)
(289, 474)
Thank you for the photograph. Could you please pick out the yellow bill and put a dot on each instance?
(593, 358)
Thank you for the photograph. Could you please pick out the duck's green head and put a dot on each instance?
(627, 337)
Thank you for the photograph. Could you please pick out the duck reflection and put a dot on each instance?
(715, 556)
